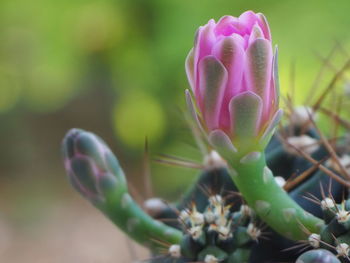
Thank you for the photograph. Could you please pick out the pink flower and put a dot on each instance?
(233, 75)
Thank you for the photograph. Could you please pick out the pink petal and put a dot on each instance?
(274, 93)
(220, 141)
(248, 19)
(271, 127)
(230, 51)
(193, 112)
(189, 65)
(225, 26)
(255, 34)
(258, 71)
(264, 26)
(245, 112)
(212, 81)
(204, 42)
(275, 76)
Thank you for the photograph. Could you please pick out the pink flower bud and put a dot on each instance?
(233, 75)
(91, 166)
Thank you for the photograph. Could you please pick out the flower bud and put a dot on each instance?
(233, 75)
(91, 167)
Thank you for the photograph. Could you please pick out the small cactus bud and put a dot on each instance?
(210, 259)
(246, 210)
(95, 172)
(184, 215)
(224, 232)
(221, 220)
(343, 250)
(90, 164)
(253, 231)
(212, 254)
(196, 232)
(314, 240)
(343, 216)
(209, 216)
(327, 203)
(215, 200)
(197, 218)
(175, 251)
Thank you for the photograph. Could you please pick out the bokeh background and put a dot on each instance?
(116, 67)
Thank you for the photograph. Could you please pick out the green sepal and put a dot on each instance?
(245, 111)
(212, 83)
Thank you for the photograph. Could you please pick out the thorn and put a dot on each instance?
(321, 167)
(311, 200)
(330, 149)
(322, 191)
(147, 171)
(295, 246)
(197, 134)
(316, 83)
(335, 116)
(176, 161)
(331, 85)
(139, 198)
(303, 176)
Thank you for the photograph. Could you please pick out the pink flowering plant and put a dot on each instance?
(233, 75)
(253, 181)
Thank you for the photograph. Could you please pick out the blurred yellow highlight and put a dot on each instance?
(136, 116)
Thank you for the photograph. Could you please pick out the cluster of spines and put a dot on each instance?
(335, 236)
(216, 234)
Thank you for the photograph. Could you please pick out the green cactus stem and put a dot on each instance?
(94, 171)
(259, 188)
(129, 217)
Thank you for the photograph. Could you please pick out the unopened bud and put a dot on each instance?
(90, 164)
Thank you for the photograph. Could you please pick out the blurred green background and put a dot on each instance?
(116, 67)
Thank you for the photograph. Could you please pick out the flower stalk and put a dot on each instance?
(233, 74)
(274, 206)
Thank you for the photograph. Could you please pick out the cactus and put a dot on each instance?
(265, 193)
